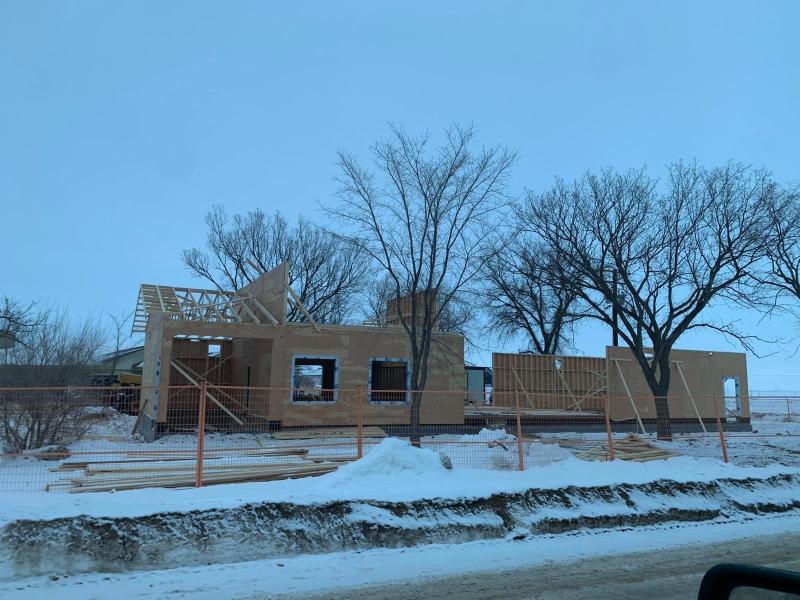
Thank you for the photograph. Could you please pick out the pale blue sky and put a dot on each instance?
(121, 123)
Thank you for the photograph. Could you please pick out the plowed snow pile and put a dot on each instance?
(393, 458)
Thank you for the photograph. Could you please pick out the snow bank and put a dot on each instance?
(306, 576)
(375, 483)
(275, 529)
(393, 458)
(489, 435)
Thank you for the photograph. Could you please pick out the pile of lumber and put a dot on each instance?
(313, 434)
(138, 470)
(508, 411)
(630, 448)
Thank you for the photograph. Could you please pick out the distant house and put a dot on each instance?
(127, 370)
(128, 360)
(121, 367)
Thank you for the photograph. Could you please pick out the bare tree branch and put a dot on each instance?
(525, 292)
(325, 271)
(423, 215)
(676, 252)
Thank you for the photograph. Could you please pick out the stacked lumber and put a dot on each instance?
(630, 448)
(479, 411)
(139, 470)
(313, 434)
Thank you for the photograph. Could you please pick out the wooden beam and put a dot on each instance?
(177, 366)
(691, 398)
(524, 391)
(302, 308)
(628, 391)
(588, 396)
(264, 310)
(200, 376)
(575, 402)
(250, 312)
(160, 298)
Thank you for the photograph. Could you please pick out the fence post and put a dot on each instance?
(611, 455)
(721, 433)
(519, 435)
(788, 411)
(201, 434)
(360, 422)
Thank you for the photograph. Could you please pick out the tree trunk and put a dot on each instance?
(415, 429)
(663, 424)
(660, 392)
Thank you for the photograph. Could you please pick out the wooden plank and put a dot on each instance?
(524, 391)
(140, 416)
(249, 311)
(264, 310)
(689, 392)
(210, 396)
(96, 485)
(302, 307)
(628, 391)
(310, 434)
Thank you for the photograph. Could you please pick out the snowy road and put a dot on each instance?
(675, 573)
(609, 562)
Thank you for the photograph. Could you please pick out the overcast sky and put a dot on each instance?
(122, 123)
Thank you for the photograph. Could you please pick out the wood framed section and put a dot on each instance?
(261, 357)
(698, 385)
(546, 382)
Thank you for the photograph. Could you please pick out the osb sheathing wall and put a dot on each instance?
(161, 332)
(548, 382)
(577, 382)
(264, 353)
(354, 347)
(271, 290)
(704, 372)
(270, 361)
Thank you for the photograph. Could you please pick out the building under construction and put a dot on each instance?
(263, 370)
(704, 385)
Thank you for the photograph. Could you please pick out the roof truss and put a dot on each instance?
(196, 304)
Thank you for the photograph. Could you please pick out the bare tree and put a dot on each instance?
(782, 273)
(676, 253)
(526, 291)
(16, 320)
(326, 272)
(120, 333)
(423, 215)
(52, 353)
(456, 317)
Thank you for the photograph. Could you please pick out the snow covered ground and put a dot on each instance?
(775, 440)
(305, 575)
(393, 471)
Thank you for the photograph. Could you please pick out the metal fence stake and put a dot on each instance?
(519, 435)
(611, 454)
(360, 422)
(201, 434)
(721, 433)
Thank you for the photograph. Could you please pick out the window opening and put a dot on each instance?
(313, 379)
(388, 380)
(732, 400)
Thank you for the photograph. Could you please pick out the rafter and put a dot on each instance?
(196, 304)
